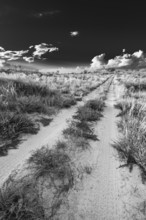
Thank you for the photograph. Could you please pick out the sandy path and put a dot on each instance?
(47, 135)
(100, 197)
(108, 193)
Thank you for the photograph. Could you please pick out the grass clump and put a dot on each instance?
(136, 86)
(12, 126)
(39, 194)
(96, 104)
(53, 163)
(80, 130)
(131, 146)
(56, 172)
(81, 126)
(68, 102)
(130, 107)
(19, 199)
(91, 111)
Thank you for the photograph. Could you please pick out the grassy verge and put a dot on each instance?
(24, 100)
(19, 100)
(12, 127)
(132, 145)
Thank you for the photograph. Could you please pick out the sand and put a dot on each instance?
(109, 192)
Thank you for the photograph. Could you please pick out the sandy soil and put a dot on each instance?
(46, 136)
(109, 192)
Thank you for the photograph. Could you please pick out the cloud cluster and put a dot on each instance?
(41, 49)
(135, 60)
(12, 55)
(36, 51)
(74, 33)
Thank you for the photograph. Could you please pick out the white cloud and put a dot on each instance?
(139, 54)
(43, 48)
(112, 63)
(12, 55)
(74, 33)
(98, 62)
(28, 59)
(135, 60)
(2, 49)
(38, 51)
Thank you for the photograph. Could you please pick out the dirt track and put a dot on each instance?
(46, 136)
(109, 192)
(100, 197)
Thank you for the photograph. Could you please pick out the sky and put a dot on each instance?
(76, 30)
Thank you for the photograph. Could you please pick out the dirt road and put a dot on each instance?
(46, 136)
(109, 192)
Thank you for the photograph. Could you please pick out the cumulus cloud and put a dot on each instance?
(2, 49)
(11, 55)
(34, 52)
(43, 48)
(74, 33)
(128, 60)
(98, 62)
(135, 60)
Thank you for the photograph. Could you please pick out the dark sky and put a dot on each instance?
(104, 27)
